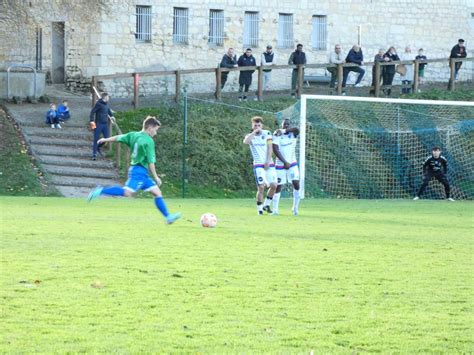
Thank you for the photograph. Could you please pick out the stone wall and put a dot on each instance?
(100, 34)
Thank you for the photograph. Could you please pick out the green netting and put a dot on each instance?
(376, 149)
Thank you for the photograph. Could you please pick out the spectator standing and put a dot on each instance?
(336, 57)
(379, 57)
(355, 56)
(268, 59)
(298, 57)
(389, 70)
(421, 66)
(407, 78)
(458, 51)
(63, 112)
(245, 76)
(229, 60)
(99, 122)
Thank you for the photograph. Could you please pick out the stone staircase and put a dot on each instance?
(65, 154)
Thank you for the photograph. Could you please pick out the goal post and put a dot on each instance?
(355, 147)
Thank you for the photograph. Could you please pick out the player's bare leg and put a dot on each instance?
(268, 200)
(259, 197)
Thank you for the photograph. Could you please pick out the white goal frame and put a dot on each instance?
(304, 98)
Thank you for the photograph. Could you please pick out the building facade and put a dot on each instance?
(75, 39)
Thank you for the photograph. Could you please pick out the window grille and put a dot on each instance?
(180, 25)
(319, 35)
(251, 22)
(216, 27)
(285, 31)
(143, 25)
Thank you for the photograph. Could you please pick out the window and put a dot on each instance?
(180, 25)
(216, 27)
(319, 35)
(143, 28)
(251, 29)
(285, 31)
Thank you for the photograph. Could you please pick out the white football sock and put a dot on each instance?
(296, 199)
(276, 201)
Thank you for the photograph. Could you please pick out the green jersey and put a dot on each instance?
(141, 146)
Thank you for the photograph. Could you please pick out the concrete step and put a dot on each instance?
(56, 141)
(42, 149)
(46, 131)
(81, 181)
(80, 172)
(69, 124)
(73, 191)
(75, 162)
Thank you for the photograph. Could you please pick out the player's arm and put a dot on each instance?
(444, 162)
(269, 153)
(248, 138)
(294, 130)
(152, 170)
(110, 139)
(276, 150)
(425, 166)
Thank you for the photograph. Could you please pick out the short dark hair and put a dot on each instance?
(299, 45)
(435, 148)
(104, 94)
(151, 121)
(248, 49)
(257, 119)
(461, 40)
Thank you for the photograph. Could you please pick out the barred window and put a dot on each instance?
(251, 22)
(285, 30)
(143, 24)
(216, 27)
(180, 25)
(320, 33)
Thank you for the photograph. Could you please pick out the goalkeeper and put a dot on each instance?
(435, 166)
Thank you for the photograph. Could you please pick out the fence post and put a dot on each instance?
(136, 79)
(260, 83)
(339, 79)
(218, 82)
(377, 79)
(299, 83)
(416, 76)
(452, 75)
(178, 85)
(94, 95)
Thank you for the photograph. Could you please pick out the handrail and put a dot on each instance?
(219, 70)
(20, 66)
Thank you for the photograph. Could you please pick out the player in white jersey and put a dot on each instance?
(284, 146)
(260, 142)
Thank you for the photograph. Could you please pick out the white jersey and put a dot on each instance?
(287, 146)
(259, 148)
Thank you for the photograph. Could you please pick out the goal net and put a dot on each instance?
(352, 147)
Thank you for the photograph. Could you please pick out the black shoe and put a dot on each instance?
(94, 157)
(267, 209)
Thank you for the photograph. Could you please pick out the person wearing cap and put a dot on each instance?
(297, 57)
(458, 51)
(268, 59)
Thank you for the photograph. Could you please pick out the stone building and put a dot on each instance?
(75, 39)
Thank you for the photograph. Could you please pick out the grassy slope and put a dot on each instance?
(390, 276)
(18, 173)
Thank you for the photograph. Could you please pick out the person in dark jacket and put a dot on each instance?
(298, 57)
(99, 122)
(52, 116)
(389, 70)
(435, 166)
(229, 60)
(355, 56)
(457, 52)
(379, 57)
(245, 77)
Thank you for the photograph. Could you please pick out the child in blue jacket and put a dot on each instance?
(63, 112)
(52, 117)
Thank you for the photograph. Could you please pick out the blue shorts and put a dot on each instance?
(138, 179)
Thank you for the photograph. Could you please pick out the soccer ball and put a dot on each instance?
(208, 220)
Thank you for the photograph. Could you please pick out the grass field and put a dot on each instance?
(344, 276)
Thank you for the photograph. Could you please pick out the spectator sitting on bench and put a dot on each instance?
(336, 57)
(355, 56)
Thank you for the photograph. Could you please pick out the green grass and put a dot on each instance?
(344, 276)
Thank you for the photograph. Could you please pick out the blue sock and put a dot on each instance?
(113, 191)
(161, 205)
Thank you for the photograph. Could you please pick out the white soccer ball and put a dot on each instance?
(208, 220)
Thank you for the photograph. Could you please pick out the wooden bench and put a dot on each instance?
(317, 79)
